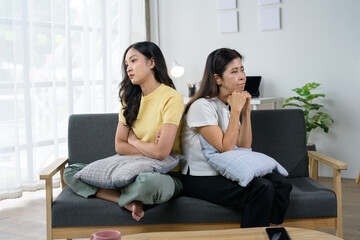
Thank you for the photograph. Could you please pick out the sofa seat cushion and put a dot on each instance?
(310, 199)
(71, 210)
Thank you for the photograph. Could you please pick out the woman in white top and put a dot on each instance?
(214, 112)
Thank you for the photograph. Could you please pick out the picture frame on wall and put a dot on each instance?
(228, 22)
(270, 18)
(226, 4)
(268, 2)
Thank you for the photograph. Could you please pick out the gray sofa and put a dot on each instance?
(277, 133)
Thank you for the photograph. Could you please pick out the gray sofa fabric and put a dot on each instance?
(281, 134)
(91, 137)
(72, 210)
(277, 133)
(308, 199)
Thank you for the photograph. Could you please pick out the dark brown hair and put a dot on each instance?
(215, 64)
(130, 94)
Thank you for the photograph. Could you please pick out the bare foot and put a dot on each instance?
(137, 210)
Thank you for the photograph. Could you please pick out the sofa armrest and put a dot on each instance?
(332, 162)
(47, 174)
(315, 157)
(53, 168)
(337, 166)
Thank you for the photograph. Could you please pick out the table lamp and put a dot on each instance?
(176, 70)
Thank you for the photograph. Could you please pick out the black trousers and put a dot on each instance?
(264, 201)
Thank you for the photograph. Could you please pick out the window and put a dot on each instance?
(57, 57)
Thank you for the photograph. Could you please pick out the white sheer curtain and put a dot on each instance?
(57, 57)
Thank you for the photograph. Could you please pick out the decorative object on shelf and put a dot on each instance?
(192, 89)
(176, 70)
(313, 117)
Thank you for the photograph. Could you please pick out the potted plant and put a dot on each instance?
(313, 116)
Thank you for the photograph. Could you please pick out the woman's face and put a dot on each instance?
(138, 67)
(233, 78)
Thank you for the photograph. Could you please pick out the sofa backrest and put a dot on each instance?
(281, 134)
(91, 137)
(278, 133)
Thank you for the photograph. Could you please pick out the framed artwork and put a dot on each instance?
(270, 18)
(227, 4)
(228, 22)
(267, 2)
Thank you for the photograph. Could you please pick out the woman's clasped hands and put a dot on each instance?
(239, 101)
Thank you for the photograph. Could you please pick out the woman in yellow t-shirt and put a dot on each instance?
(148, 125)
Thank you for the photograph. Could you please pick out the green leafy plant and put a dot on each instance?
(313, 117)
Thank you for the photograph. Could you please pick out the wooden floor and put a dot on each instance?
(24, 218)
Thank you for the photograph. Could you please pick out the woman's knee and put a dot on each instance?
(160, 186)
(287, 186)
(279, 181)
(69, 173)
(264, 188)
(71, 170)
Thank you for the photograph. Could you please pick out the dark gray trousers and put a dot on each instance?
(264, 201)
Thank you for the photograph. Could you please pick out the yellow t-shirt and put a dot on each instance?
(164, 105)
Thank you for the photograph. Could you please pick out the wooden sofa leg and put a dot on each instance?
(337, 189)
(49, 199)
(358, 177)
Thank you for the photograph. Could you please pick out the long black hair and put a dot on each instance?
(215, 64)
(130, 94)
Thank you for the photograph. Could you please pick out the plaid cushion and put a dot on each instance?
(118, 171)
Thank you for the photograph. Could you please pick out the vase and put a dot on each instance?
(310, 147)
(192, 91)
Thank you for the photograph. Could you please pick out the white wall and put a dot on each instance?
(318, 41)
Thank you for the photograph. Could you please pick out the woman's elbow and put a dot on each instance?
(162, 154)
(119, 148)
(226, 147)
(248, 146)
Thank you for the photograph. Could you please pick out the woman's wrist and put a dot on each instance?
(235, 111)
(246, 112)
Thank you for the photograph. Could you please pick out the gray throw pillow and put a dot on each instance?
(241, 164)
(118, 171)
